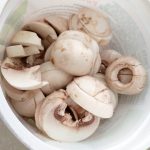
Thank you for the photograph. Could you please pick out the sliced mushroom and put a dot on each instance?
(59, 123)
(56, 78)
(92, 95)
(76, 57)
(136, 85)
(42, 29)
(20, 77)
(114, 96)
(27, 38)
(27, 107)
(60, 24)
(20, 51)
(107, 57)
(46, 43)
(95, 23)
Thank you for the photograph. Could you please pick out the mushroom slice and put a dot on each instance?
(20, 77)
(48, 52)
(101, 78)
(20, 51)
(27, 38)
(58, 121)
(28, 106)
(107, 57)
(56, 78)
(60, 24)
(65, 55)
(42, 29)
(92, 95)
(136, 85)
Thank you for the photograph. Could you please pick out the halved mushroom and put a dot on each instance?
(92, 95)
(20, 77)
(56, 78)
(28, 106)
(76, 57)
(135, 85)
(107, 57)
(2, 52)
(101, 78)
(27, 38)
(94, 23)
(42, 29)
(58, 121)
(60, 24)
(20, 51)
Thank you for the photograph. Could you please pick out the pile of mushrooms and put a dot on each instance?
(56, 71)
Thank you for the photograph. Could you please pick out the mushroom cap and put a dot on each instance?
(22, 78)
(56, 78)
(42, 29)
(58, 124)
(76, 57)
(136, 85)
(60, 24)
(27, 38)
(92, 95)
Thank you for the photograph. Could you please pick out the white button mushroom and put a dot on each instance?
(58, 121)
(60, 24)
(135, 85)
(107, 57)
(20, 77)
(76, 57)
(101, 77)
(27, 38)
(56, 78)
(93, 22)
(28, 106)
(92, 95)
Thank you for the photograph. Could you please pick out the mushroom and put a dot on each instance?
(135, 85)
(20, 51)
(27, 38)
(28, 106)
(58, 121)
(60, 24)
(101, 77)
(92, 95)
(107, 57)
(20, 77)
(56, 78)
(76, 57)
(44, 30)
(94, 22)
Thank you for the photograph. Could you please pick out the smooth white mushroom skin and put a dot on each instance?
(107, 57)
(96, 98)
(75, 57)
(56, 78)
(60, 24)
(139, 76)
(58, 124)
(21, 78)
(27, 38)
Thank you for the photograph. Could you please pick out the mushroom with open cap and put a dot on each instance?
(107, 57)
(56, 78)
(93, 22)
(76, 57)
(28, 106)
(134, 85)
(93, 95)
(21, 77)
(58, 121)
(27, 38)
(60, 24)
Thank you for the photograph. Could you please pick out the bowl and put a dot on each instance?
(130, 25)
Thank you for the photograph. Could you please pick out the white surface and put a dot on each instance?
(2, 4)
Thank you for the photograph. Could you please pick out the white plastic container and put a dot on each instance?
(129, 129)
